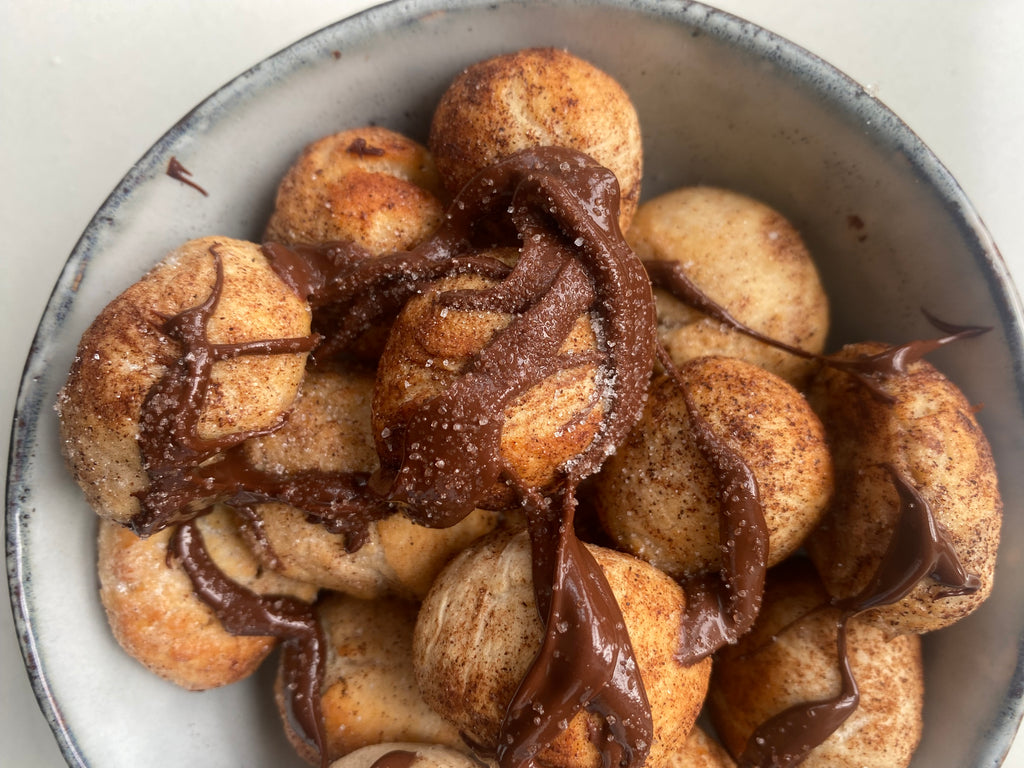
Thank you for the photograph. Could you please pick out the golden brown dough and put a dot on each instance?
(329, 430)
(123, 353)
(367, 185)
(532, 98)
(369, 691)
(750, 260)
(790, 658)
(431, 344)
(700, 751)
(478, 632)
(930, 436)
(158, 620)
(658, 496)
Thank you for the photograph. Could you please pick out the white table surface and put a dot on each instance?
(87, 87)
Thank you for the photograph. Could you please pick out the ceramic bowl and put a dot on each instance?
(721, 102)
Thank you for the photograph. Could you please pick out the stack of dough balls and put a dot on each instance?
(430, 631)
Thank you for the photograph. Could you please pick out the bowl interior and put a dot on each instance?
(721, 102)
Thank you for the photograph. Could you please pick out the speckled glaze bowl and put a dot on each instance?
(721, 102)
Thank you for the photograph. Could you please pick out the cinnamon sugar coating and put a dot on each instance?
(532, 98)
(158, 620)
(790, 658)
(123, 354)
(369, 692)
(746, 257)
(659, 498)
(367, 185)
(701, 750)
(431, 344)
(930, 436)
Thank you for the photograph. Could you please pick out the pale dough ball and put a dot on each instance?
(369, 693)
(426, 756)
(329, 431)
(534, 98)
(432, 344)
(747, 258)
(123, 354)
(367, 185)
(700, 751)
(930, 436)
(158, 620)
(658, 496)
(478, 632)
(790, 658)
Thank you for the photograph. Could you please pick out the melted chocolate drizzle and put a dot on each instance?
(722, 608)
(243, 612)
(586, 660)
(893, 361)
(919, 548)
(172, 451)
(561, 209)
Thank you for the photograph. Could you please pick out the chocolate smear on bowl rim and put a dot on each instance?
(179, 172)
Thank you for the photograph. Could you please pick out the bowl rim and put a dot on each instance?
(840, 92)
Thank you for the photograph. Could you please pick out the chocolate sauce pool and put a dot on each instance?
(561, 210)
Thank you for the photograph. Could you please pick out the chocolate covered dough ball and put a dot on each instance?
(156, 616)
(790, 658)
(369, 693)
(368, 185)
(432, 344)
(658, 496)
(927, 436)
(478, 631)
(534, 98)
(329, 431)
(124, 353)
(747, 258)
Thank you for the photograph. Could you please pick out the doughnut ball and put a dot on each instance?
(367, 185)
(533, 98)
(329, 430)
(700, 751)
(158, 620)
(790, 658)
(123, 354)
(658, 496)
(478, 632)
(431, 344)
(748, 259)
(410, 755)
(930, 436)
(369, 692)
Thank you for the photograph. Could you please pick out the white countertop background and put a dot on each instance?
(87, 87)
